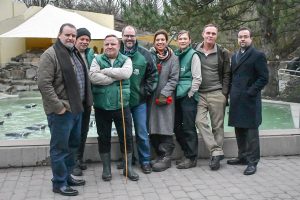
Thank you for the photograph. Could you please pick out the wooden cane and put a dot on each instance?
(124, 131)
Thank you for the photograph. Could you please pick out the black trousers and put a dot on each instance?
(248, 144)
(104, 119)
(162, 144)
(84, 131)
(184, 128)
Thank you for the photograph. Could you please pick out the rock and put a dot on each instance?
(21, 88)
(1, 122)
(30, 73)
(17, 74)
(5, 88)
(33, 88)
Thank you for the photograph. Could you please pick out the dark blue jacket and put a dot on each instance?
(249, 76)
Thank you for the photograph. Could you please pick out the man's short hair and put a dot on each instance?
(210, 25)
(245, 29)
(163, 32)
(64, 25)
(112, 35)
(130, 27)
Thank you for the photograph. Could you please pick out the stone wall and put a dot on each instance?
(20, 74)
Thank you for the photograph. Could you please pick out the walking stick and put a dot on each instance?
(124, 131)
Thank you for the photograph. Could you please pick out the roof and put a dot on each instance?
(46, 24)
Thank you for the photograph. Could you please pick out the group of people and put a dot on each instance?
(160, 90)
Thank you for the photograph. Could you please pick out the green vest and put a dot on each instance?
(89, 56)
(108, 97)
(139, 65)
(185, 74)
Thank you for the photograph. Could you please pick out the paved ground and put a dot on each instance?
(277, 178)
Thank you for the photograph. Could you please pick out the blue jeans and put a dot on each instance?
(65, 139)
(139, 115)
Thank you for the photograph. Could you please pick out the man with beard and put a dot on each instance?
(249, 76)
(64, 85)
(143, 82)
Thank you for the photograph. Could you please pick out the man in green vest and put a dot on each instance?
(142, 83)
(187, 98)
(109, 74)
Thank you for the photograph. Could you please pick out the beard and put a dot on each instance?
(69, 46)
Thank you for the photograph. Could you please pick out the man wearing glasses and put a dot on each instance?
(249, 76)
(143, 82)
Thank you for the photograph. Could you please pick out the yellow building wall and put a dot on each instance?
(10, 47)
(9, 9)
(38, 43)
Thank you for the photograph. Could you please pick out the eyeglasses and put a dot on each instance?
(128, 36)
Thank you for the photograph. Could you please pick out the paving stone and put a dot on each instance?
(277, 178)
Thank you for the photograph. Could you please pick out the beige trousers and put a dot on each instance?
(212, 103)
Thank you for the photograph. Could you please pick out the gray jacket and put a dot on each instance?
(162, 117)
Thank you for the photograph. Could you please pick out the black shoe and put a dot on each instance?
(120, 165)
(77, 171)
(237, 161)
(75, 182)
(66, 191)
(251, 169)
(146, 168)
(82, 165)
(187, 163)
(214, 163)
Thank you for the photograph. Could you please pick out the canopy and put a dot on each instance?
(46, 24)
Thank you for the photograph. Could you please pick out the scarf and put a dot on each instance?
(69, 76)
(161, 57)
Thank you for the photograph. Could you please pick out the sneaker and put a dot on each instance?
(214, 163)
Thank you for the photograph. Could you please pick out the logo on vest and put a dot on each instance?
(182, 68)
(136, 72)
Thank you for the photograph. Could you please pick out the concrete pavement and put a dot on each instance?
(276, 178)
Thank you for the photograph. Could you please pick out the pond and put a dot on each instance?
(24, 118)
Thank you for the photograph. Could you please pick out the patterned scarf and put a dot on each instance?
(161, 57)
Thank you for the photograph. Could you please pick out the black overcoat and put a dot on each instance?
(249, 76)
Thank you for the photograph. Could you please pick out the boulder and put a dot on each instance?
(30, 73)
(17, 74)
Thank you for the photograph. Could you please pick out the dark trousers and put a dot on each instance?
(248, 144)
(64, 142)
(84, 131)
(104, 119)
(162, 144)
(184, 128)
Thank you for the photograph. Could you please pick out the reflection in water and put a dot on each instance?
(25, 118)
